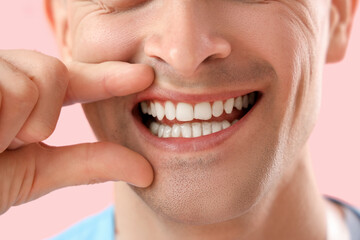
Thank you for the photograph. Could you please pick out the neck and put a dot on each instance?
(294, 209)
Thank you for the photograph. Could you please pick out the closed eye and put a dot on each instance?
(119, 5)
(254, 1)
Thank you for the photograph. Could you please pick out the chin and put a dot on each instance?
(187, 192)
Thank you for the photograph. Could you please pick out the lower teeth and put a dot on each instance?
(189, 130)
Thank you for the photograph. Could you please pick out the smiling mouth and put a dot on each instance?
(167, 119)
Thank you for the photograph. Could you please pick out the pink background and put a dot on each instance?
(335, 143)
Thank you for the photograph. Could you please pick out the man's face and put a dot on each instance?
(208, 51)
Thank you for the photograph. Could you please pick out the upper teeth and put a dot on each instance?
(184, 112)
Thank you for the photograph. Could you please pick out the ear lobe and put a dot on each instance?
(341, 19)
(56, 13)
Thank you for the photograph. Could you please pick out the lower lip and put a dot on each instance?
(193, 144)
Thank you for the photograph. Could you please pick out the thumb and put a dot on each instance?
(88, 163)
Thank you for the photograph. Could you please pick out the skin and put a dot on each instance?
(256, 170)
(234, 190)
(30, 107)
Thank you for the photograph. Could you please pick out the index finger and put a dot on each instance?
(90, 82)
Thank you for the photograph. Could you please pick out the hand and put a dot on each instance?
(33, 88)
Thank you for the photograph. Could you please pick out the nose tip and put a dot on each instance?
(185, 55)
(187, 59)
(184, 61)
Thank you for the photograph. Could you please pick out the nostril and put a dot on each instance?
(208, 59)
(159, 59)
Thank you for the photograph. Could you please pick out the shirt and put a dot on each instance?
(102, 225)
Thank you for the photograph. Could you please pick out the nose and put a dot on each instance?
(185, 38)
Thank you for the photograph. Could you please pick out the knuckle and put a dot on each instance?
(36, 131)
(21, 89)
(25, 94)
(5, 189)
(17, 177)
(53, 72)
(25, 190)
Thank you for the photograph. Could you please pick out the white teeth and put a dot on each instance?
(186, 130)
(144, 107)
(217, 108)
(160, 112)
(154, 128)
(153, 110)
(225, 124)
(167, 132)
(206, 128)
(149, 110)
(202, 111)
(245, 101)
(170, 110)
(161, 130)
(229, 105)
(238, 103)
(176, 131)
(216, 127)
(184, 112)
(196, 129)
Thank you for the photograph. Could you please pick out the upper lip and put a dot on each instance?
(157, 93)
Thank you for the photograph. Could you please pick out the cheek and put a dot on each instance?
(289, 39)
(105, 38)
(279, 34)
